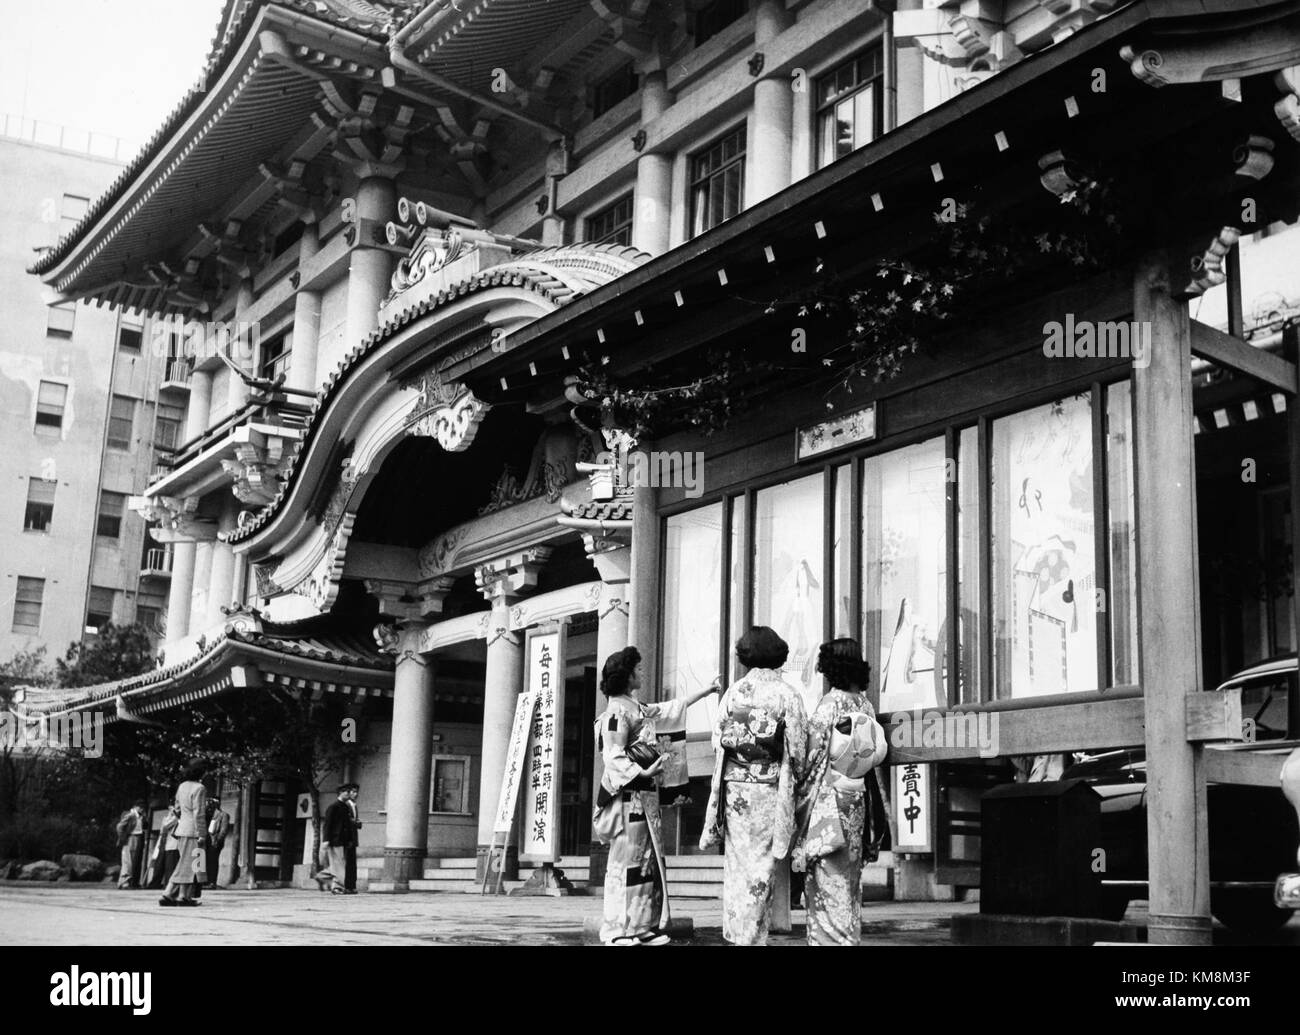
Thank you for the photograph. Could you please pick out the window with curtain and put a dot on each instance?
(60, 320)
(718, 182)
(51, 401)
(28, 598)
(99, 612)
(112, 506)
(121, 422)
(850, 106)
(40, 504)
(904, 575)
(788, 575)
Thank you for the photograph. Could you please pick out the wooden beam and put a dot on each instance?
(1242, 357)
(979, 733)
(1214, 715)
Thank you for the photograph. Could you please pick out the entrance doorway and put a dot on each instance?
(579, 763)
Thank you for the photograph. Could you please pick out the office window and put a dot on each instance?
(71, 212)
(51, 400)
(130, 335)
(40, 504)
(612, 224)
(615, 87)
(168, 425)
(60, 319)
(850, 106)
(150, 616)
(718, 182)
(112, 506)
(275, 358)
(100, 611)
(121, 422)
(27, 604)
(716, 17)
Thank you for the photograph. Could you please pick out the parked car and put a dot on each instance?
(1253, 831)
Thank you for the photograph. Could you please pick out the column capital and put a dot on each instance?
(510, 577)
(611, 553)
(410, 602)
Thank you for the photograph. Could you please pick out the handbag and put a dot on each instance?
(643, 754)
(857, 745)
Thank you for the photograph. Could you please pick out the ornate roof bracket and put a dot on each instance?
(176, 519)
(1287, 107)
(448, 412)
(1207, 268)
(410, 601)
(1230, 53)
(512, 576)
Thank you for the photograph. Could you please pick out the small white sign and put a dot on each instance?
(846, 429)
(913, 817)
(519, 732)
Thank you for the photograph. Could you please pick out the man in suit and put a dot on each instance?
(218, 828)
(130, 838)
(340, 839)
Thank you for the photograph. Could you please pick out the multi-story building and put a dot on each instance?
(401, 237)
(80, 411)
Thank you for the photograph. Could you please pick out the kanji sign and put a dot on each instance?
(913, 815)
(519, 731)
(541, 764)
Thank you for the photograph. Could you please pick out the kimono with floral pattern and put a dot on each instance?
(627, 819)
(761, 739)
(831, 848)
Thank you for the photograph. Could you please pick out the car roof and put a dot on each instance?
(1283, 663)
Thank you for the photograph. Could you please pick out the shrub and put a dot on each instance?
(29, 837)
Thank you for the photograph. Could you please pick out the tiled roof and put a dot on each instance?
(617, 509)
(536, 271)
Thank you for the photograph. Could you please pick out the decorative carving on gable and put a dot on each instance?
(266, 584)
(446, 411)
(437, 557)
(176, 519)
(551, 468)
(321, 587)
(259, 468)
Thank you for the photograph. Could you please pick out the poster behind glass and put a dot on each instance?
(904, 575)
(788, 575)
(692, 607)
(1044, 562)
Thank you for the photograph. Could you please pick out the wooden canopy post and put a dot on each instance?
(1170, 651)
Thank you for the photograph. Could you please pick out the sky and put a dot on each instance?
(117, 67)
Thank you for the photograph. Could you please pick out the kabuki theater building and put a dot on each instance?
(422, 253)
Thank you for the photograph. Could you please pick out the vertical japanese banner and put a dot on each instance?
(913, 809)
(519, 734)
(539, 835)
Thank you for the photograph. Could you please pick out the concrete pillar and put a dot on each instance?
(199, 410)
(221, 576)
(1169, 645)
(644, 565)
(767, 168)
(557, 167)
(371, 268)
(502, 683)
(178, 594)
(199, 592)
(406, 839)
(306, 321)
(652, 201)
(243, 347)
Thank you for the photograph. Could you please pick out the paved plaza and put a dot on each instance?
(70, 914)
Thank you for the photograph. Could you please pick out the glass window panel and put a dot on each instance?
(788, 573)
(121, 422)
(449, 785)
(841, 557)
(61, 319)
(1121, 599)
(1045, 627)
(969, 588)
(40, 504)
(28, 597)
(112, 505)
(51, 399)
(844, 128)
(864, 116)
(904, 581)
(692, 604)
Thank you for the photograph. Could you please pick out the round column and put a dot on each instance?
(652, 202)
(770, 124)
(242, 346)
(306, 321)
(200, 405)
(409, 764)
(371, 268)
(178, 594)
(503, 680)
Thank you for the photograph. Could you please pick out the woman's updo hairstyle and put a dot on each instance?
(841, 662)
(618, 669)
(761, 647)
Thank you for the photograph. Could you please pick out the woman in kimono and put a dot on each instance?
(832, 847)
(760, 739)
(627, 807)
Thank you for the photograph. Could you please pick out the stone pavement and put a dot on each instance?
(99, 914)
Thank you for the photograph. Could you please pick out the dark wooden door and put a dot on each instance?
(579, 762)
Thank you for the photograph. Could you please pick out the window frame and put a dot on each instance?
(616, 228)
(90, 626)
(39, 602)
(112, 437)
(100, 515)
(823, 108)
(701, 34)
(52, 331)
(39, 424)
(27, 512)
(696, 181)
(605, 95)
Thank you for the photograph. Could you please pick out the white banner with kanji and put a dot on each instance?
(539, 835)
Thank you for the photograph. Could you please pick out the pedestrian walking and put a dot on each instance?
(340, 840)
(218, 829)
(191, 801)
(844, 744)
(626, 815)
(131, 830)
(758, 788)
(163, 861)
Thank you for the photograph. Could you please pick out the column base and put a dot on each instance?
(546, 880)
(403, 864)
(1178, 930)
(510, 869)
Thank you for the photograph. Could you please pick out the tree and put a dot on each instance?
(26, 668)
(118, 652)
